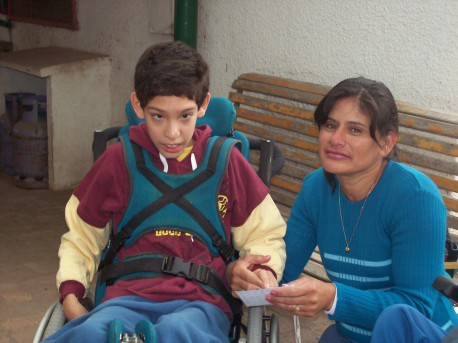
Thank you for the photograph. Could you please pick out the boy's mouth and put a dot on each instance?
(172, 148)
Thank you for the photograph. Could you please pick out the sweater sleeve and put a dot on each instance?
(300, 237)
(262, 234)
(79, 252)
(417, 233)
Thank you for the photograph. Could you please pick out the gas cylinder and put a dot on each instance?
(13, 106)
(30, 153)
(6, 145)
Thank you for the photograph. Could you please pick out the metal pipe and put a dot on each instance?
(185, 26)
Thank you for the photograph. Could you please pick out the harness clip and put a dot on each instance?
(176, 266)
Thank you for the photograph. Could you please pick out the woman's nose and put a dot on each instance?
(338, 137)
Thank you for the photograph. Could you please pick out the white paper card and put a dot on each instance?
(256, 297)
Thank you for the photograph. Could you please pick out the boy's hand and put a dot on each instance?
(241, 278)
(267, 277)
(72, 307)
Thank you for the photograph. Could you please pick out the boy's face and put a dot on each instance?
(171, 121)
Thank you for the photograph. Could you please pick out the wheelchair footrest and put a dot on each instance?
(145, 332)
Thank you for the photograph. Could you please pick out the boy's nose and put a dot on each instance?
(172, 130)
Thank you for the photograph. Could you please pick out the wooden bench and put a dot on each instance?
(282, 110)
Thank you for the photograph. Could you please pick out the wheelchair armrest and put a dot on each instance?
(271, 161)
(101, 138)
(447, 286)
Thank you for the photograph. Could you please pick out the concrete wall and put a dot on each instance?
(119, 29)
(410, 45)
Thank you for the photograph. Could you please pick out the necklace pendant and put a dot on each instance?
(347, 249)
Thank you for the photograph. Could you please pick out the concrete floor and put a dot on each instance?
(31, 224)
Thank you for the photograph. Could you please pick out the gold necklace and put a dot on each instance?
(347, 249)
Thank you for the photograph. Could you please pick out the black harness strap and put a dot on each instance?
(172, 265)
(171, 195)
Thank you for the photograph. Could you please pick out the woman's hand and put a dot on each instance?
(72, 307)
(304, 297)
(241, 278)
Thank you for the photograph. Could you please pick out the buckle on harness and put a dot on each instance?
(176, 266)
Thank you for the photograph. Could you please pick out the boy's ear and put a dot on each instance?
(136, 106)
(204, 106)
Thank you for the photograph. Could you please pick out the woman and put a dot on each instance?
(380, 225)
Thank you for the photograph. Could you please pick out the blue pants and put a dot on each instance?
(333, 335)
(402, 323)
(175, 321)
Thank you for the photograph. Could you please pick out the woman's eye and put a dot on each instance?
(329, 126)
(355, 130)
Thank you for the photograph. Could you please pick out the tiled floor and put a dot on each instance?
(31, 224)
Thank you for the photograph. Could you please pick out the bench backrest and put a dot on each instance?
(282, 110)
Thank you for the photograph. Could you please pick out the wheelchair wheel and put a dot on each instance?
(255, 322)
(274, 329)
(56, 321)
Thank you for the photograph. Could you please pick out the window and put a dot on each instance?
(57, 13)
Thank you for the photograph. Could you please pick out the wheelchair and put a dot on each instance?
(220, 116)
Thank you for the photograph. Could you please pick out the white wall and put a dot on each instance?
(119, 29)
(410, 45)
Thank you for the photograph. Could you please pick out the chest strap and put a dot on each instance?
(172, 265)
(170, 195)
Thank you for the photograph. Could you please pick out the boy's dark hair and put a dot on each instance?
(171, 68)
(374, 100)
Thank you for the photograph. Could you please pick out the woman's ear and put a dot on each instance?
(136, 106)
(204, 106)
(390, 141)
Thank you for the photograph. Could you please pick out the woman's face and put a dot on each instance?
(345, 145)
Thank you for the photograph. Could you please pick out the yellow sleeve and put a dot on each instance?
(262, 234)
(80, 248)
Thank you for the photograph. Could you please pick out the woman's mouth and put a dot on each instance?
(335, 154)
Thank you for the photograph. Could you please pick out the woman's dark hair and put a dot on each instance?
(171, 68)
(374, 100)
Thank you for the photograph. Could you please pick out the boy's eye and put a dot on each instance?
(157, 116)
(186, 116)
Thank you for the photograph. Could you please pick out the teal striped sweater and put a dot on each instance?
(396, 253)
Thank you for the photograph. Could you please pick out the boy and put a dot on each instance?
(129, 179)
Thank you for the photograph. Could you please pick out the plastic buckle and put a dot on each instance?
(176, 266)
(202, 273)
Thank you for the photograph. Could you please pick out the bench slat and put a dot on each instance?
(282, 198)
(302, 127)
(271, 106)
(287, 185)
(281, 92)
(288, 169)
(431, 162)
(276, 136)
(316, 271)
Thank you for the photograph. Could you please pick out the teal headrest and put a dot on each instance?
(220, 116)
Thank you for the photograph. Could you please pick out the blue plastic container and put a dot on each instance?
(30, 153)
